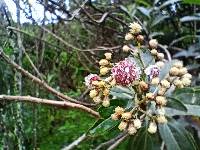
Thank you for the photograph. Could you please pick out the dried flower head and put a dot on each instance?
(152, 71)
(90, 78)
(125, 72)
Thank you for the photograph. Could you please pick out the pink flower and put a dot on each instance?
(125, 72)
(152, 71)
(90, 78)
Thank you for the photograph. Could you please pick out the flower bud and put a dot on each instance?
(96, 83)
(140, 38)
(143, 86)
(113, 82)
(152, 128)
(165, 83)
(174, 71)
(187, 75)
(97, 99)
(183, 71)
(106, 103)
(162, 91)
(106, 92)
(126, 48)
(160, 64)
(160, 100)
(122, 126)
(154, 52)
(119, 110)
(127, 115)
(150, 96)
(131, 129)
(137, 123)
(93, 93)
(104, 71)
(101, 84)
(108, 56)
(186, 81)
(103, 62)
(128, 36)
(153, 43)
(178, 83)
(161, 119)
(108, 79)
(155, 81)
(114, 116)
(178, 64)
(135, 28)
(160, 56)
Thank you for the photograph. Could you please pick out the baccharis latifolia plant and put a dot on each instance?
(147, 73)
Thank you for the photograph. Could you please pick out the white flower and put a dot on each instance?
(108, 56)
(160, 100)
(131, 129)
(122, 125)
(126, 115)
(160, 64)
(152, 128)
(137, 123)
(161, 119)
(103, 62)
(135, 28)
(126, 48)
(128, 36)
(165, 83)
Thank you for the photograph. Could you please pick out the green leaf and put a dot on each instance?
(169, 2)
(159, 19)
(144, 11)
(122, 92)
(176, 104)
(143, 140)
(103, 127)
(192, 110)
(147, 58)
(197, 2)
(165, 70)
(176, 137)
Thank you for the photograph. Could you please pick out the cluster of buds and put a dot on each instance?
(105, 64)
(134, 34)
(148, 83)
(128, 122)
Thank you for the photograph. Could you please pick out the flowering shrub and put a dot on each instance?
(145, 82)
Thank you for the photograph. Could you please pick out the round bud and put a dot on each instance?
(108, 56)
(127, 115)
(119, 110)
(97, 99)
(101, 84)
(128, 36)
(187, 75)
(143, 86)
(153, 43)
(103, 62)
(114, 116)
(161, 119)
(126, 48)
(150, 96)
(113, 82)
(154, 52)
(162, 91)
(106, 103)
(140, 38)
(122, 126)
(186, 81)
(178, 64)
(137, 123)
(178, 83)
(108, 79)
(96, 83)
(93, 93)
(183, 71)
(165, 83)
(152, 128)
(160, 56)
(155, 81)
(160, 100)
(174, 71)
(104, 71)
(131, 129)
(160, 64)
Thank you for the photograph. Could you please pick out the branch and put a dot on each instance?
(113, 146)
(38, 81)
(76, 142)
(60, 104)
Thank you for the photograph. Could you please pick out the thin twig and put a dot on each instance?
(76, 142)
(61, 104)
(113, 146)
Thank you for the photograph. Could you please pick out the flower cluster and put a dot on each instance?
(147, 82)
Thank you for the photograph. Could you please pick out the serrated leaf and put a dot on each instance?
(103, 127)
(176, 137)
(176, 104)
